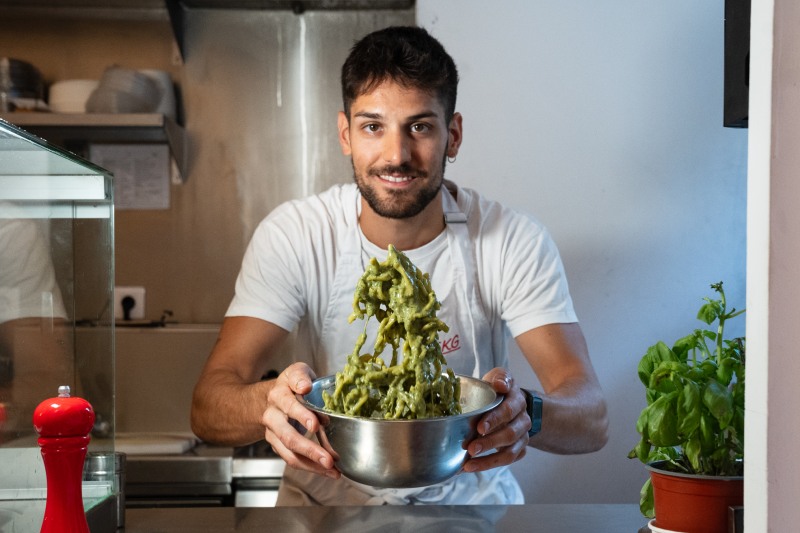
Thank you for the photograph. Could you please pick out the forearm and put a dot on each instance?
(574, 415)
(230, 397)
(574, 420)
(228, 412)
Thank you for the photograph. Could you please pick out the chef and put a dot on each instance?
(496, 271)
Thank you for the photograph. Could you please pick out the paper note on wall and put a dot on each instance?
(141, 173)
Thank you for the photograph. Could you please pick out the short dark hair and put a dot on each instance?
(407, 55)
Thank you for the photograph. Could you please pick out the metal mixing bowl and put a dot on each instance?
(401, 453)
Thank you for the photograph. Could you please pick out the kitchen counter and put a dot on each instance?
(533, 518)
(205, 475)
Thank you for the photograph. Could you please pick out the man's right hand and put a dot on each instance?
(233, 406)
(284, 414)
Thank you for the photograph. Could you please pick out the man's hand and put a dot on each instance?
(234, 406)
(503, 429)
(285, 414)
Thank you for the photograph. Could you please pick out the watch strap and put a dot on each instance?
(534, 407)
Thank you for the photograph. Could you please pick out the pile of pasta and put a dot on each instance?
(419, 385)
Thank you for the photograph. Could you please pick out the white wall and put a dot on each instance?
(604, 119)
(772, 426)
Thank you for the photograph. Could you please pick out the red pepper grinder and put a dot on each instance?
(63, 425)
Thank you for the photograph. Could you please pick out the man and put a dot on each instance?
(494, 270)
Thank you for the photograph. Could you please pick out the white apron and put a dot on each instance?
(470, 353)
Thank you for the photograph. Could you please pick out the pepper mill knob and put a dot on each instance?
(63, 424)
(63, 416)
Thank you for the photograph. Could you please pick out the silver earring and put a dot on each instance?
(451, 160)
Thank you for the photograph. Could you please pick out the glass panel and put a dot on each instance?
(33, 169)
(56, 272)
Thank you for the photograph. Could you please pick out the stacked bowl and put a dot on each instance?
(123, 90)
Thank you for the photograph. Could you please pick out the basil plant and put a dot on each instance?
(694, 418)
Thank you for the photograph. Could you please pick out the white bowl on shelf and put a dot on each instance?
(70, 96)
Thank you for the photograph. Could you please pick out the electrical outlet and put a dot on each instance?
(137, 294)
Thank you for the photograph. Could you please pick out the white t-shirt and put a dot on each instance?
(288, 267)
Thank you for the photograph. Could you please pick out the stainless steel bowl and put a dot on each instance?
(401, 453)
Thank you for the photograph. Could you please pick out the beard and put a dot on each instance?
(400, 203)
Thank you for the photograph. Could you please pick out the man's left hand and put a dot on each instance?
(503, 430)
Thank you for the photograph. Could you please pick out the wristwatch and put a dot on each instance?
(534, 407)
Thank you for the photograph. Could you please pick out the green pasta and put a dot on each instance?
(400, 297)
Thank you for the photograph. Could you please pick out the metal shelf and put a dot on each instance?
(67, 130)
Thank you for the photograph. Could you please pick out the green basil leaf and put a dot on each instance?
(725, 370)
(710, 311)
(683, 346)
(719, 401)
(641, 422)
(689, 404)
(646, 505)
(641, 451)
(696, 374)
(646, 365)
(662, 421)
(740, 373)
(708, 432)
(666, 377)
(709, 368)
(651, 396)
(656, 354)
(664, 352)
(710, 335)
(693, 450)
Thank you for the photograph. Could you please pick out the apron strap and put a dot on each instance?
(455, 217)
(465, 266)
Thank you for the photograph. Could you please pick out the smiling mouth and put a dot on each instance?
(395, 179)
(399, 174)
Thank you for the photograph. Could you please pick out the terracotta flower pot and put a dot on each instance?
(692, 503)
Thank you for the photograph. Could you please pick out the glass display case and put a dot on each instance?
(56, 273)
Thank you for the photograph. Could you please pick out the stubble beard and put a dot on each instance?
(400, 203)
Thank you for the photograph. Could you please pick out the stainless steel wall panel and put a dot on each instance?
(261, 94)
